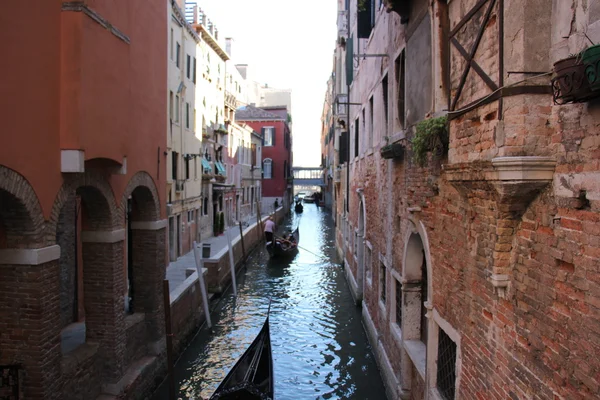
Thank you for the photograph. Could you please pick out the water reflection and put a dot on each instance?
(320, 350)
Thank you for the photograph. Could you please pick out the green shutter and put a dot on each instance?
(349, 61)
(273, 133)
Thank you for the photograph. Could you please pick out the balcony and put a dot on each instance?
(230, 100)
(179, 185)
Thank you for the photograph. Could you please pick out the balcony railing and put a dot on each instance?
(230, 100)
(179, 185)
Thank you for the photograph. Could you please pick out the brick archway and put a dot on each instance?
(27, 285)
(21, 216)
(146, 258)
(97, 190)
(146, 196)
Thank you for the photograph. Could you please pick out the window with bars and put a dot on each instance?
(398, 304)
(384, 91)
(382, 283)
(368, 258)
(446, 366)
(424, 295)
(400, 87)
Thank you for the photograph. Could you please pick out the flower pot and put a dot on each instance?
(591, 59)
(569, 82)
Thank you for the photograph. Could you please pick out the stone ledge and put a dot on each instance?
(523, 168)
(29, 256)
(134, 371)
(149, 225)
(103, 236)
(417, 351)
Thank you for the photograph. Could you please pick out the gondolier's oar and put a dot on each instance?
(296, 244)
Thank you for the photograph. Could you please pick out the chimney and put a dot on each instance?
(228, 45)
(195, 14)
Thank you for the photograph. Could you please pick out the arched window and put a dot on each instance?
(267, 168)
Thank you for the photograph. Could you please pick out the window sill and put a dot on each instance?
(133, 319)
(396, 333)
(417, 351)
(71, 361)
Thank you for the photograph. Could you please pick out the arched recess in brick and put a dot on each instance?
(416, 302)
(21, 216)
(27, 280)
(85, 224)
(145, 264)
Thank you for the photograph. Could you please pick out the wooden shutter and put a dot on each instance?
(273, 135)
(262, 134)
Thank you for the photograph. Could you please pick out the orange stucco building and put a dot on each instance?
(82, 194)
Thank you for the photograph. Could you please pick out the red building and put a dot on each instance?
(82, 224)
(272, 123)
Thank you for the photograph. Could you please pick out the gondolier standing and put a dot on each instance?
(269, 229)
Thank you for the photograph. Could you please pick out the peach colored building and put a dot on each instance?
(82, 194)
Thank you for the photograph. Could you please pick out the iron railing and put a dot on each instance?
(10, 377)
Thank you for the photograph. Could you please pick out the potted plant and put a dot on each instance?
(392, 150)
(216, 225)
(591, 59)
(569, 83)
(221, 222)
(431, 136)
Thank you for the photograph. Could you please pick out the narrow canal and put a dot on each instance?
(320, 349)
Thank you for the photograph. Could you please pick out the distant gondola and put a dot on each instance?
(284, 248)
(252, 375)
(299, 208)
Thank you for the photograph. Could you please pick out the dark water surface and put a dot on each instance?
(320, 349)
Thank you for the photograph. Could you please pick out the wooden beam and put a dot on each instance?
(472, 53)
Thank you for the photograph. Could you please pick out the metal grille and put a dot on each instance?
(446, 370)
(382, 282)
(399, 304)
(9, 382)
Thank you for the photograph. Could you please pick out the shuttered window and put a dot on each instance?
(267, 168)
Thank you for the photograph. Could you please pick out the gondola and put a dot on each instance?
(299, 208)
(252, 375)
(280, 248)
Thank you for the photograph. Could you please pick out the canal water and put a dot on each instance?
(320, 349)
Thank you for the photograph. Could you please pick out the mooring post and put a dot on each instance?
(243, 247)
(199, 268)
(231, 262)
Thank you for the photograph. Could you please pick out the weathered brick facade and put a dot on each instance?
(494, 244)
(82, 229)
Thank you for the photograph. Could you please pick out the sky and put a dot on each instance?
(288, 44)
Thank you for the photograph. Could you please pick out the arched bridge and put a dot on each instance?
(308, 176)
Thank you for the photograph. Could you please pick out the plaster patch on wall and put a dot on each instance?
(569, 185)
